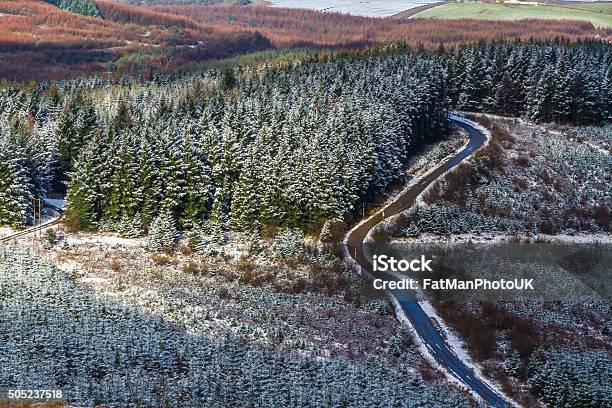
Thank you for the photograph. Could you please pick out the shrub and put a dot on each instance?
(288, 243)
(50, 236)
(501, 136)
(481, 119)
(185, 247)
(490, 156)
(522, 161)
(603, 217)
(223, 293)
(71, 221)
(194, 268)
(115, 265)
(160, 259)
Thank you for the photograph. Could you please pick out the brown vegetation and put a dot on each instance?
(195, 268)
(58, 44)
(160, 259)
(297, 27)
(141, 16)
(480, 328)
(71, 221)
(115, 265)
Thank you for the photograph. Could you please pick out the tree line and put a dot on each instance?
(554, 83)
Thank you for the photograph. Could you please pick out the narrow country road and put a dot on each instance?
(30, 230)
(35, 228)
(432, 339)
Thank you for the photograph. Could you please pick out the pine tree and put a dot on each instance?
(513, 364)
(197, 176)
(218, 215)
(74, 128)
(472, 93)
(15, 199)
(606, 96)
(162, 234)
(246, 205)
(86, 194)
(541, 103)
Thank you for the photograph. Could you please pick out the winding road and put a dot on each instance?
(429, 334)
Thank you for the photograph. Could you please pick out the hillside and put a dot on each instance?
(204, 2)
(141, 40)
(533, 203)
(85, 7)
(276, 139)
(202, 256)
(35, 34)
(600, 15)
(296, 27)
(162, 350)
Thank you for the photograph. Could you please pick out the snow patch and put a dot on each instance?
(104, 239)
(6, 231)
(502, 238)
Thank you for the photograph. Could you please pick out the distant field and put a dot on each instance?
(605, 8)
(598, 14)
(366, 8)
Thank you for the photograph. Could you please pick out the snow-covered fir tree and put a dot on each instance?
(163, 233)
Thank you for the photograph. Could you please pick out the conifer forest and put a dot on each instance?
(292, 146)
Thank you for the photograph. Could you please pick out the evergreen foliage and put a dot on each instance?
(162, 233)
(552, 83)
(85, 7)
(572, 378)
(285, 151)
(288, 243)
(59, 334)
(290, 146)
(25, 158)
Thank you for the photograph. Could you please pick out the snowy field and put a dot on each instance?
(369, 8)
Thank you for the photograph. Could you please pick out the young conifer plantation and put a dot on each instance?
(101, 352)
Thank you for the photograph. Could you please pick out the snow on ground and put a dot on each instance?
(140, 354)
(56, 202)
(497, 238)
(368, 8)
(105, 239)
(424, 164)
(262, 301)
(532, 180)
(6, 231)
(575, 157)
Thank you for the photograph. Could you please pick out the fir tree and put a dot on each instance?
(162, 234)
